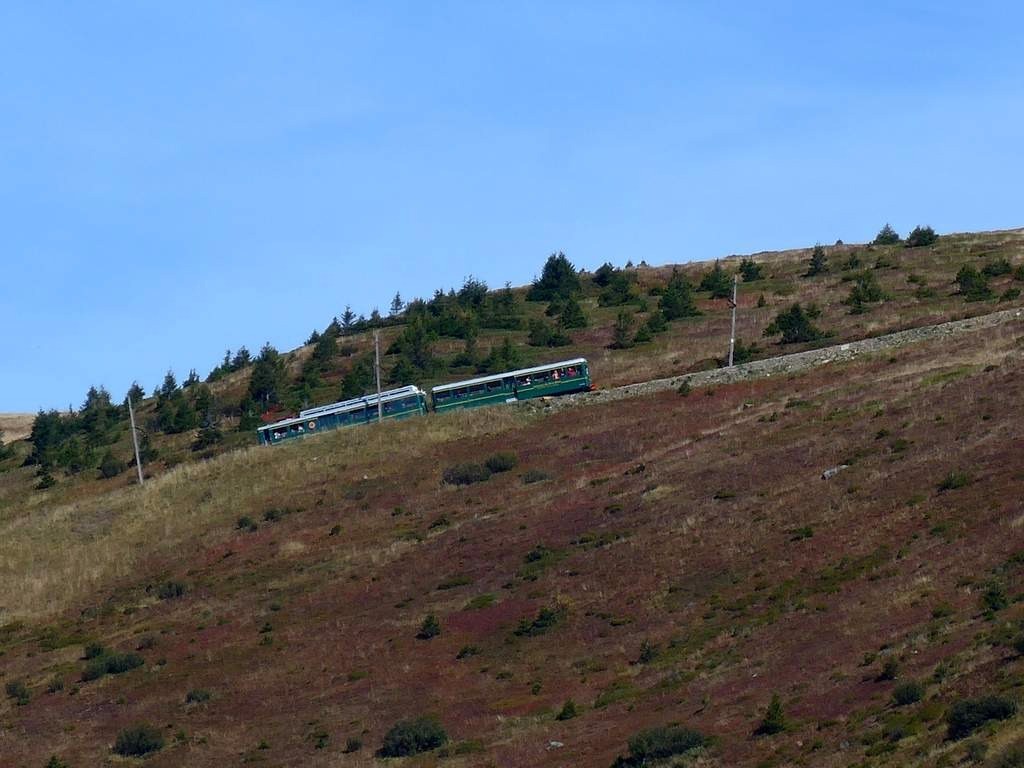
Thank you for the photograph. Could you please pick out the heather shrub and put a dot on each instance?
(465, 474)
(410, 737)
(246, 523)
(531, 476)
(890, 670)
(906, 693)
(501, 462)
(109, 663)
(17, 691)
(169, 590)
(94, 650)
(955, 480)
(967, 715)
(774, 720)
(429, 629)
(138, 741)
(197, 696)
(568, 711)
(545, 620)
(657, 744)
(1000, 266)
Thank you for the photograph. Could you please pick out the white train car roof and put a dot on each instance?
(411, 389)
(506, 374)
(347, 405)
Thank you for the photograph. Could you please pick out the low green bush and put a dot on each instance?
(465, 474)
(197, 696)
(967, 715)
(111, 664)
(545, 620)
(531, 476)
(501, 462)
(774, 720)
(657, 744)
(569, 711)
(907, 693)
(410, 737)
(429, 629)
(169, 590)
(17, 691)
(138, 741)
(955, 480)
(94, 650)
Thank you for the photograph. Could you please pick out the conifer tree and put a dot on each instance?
(269, 380)
(818, 264)
(558, 280)
(717, 282)
(677, 300)
(572, 314)
(887, 236)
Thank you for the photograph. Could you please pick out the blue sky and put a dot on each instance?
(179, 178)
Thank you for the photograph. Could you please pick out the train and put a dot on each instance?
(558, 378)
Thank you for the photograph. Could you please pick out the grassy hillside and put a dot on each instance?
(918, 285)
(670, 559)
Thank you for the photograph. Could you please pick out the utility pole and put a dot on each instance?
(135, 440)
(732, 303)
(376, 368)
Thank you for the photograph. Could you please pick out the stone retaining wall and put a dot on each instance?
(786, 364)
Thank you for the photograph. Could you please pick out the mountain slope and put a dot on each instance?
(696, 524)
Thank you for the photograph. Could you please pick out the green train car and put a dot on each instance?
(394, 404)
(559, 378)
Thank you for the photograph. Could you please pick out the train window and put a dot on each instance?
(493, 386)
(440, 397)
(476, 389)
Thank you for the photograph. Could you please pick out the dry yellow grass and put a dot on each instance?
(55, 555)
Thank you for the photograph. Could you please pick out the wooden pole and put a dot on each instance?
(135, 440)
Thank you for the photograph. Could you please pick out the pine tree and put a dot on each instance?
(677, 300)
(193, 378)
(241, 359)
(921, 236)
(169, 386)
(572, 314)
(348, 317)
(359, 380)
(795, 325)
(818, 264)
(397, 305)
(750, 270)
(416, 343)
(622, 336)
(887, 236)
(774, 718)
(865, 290)
(717, 282)
(973, 284)
(558, 280)
(403, 372)
(135, 393)
(268, 382)
(110, 465)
